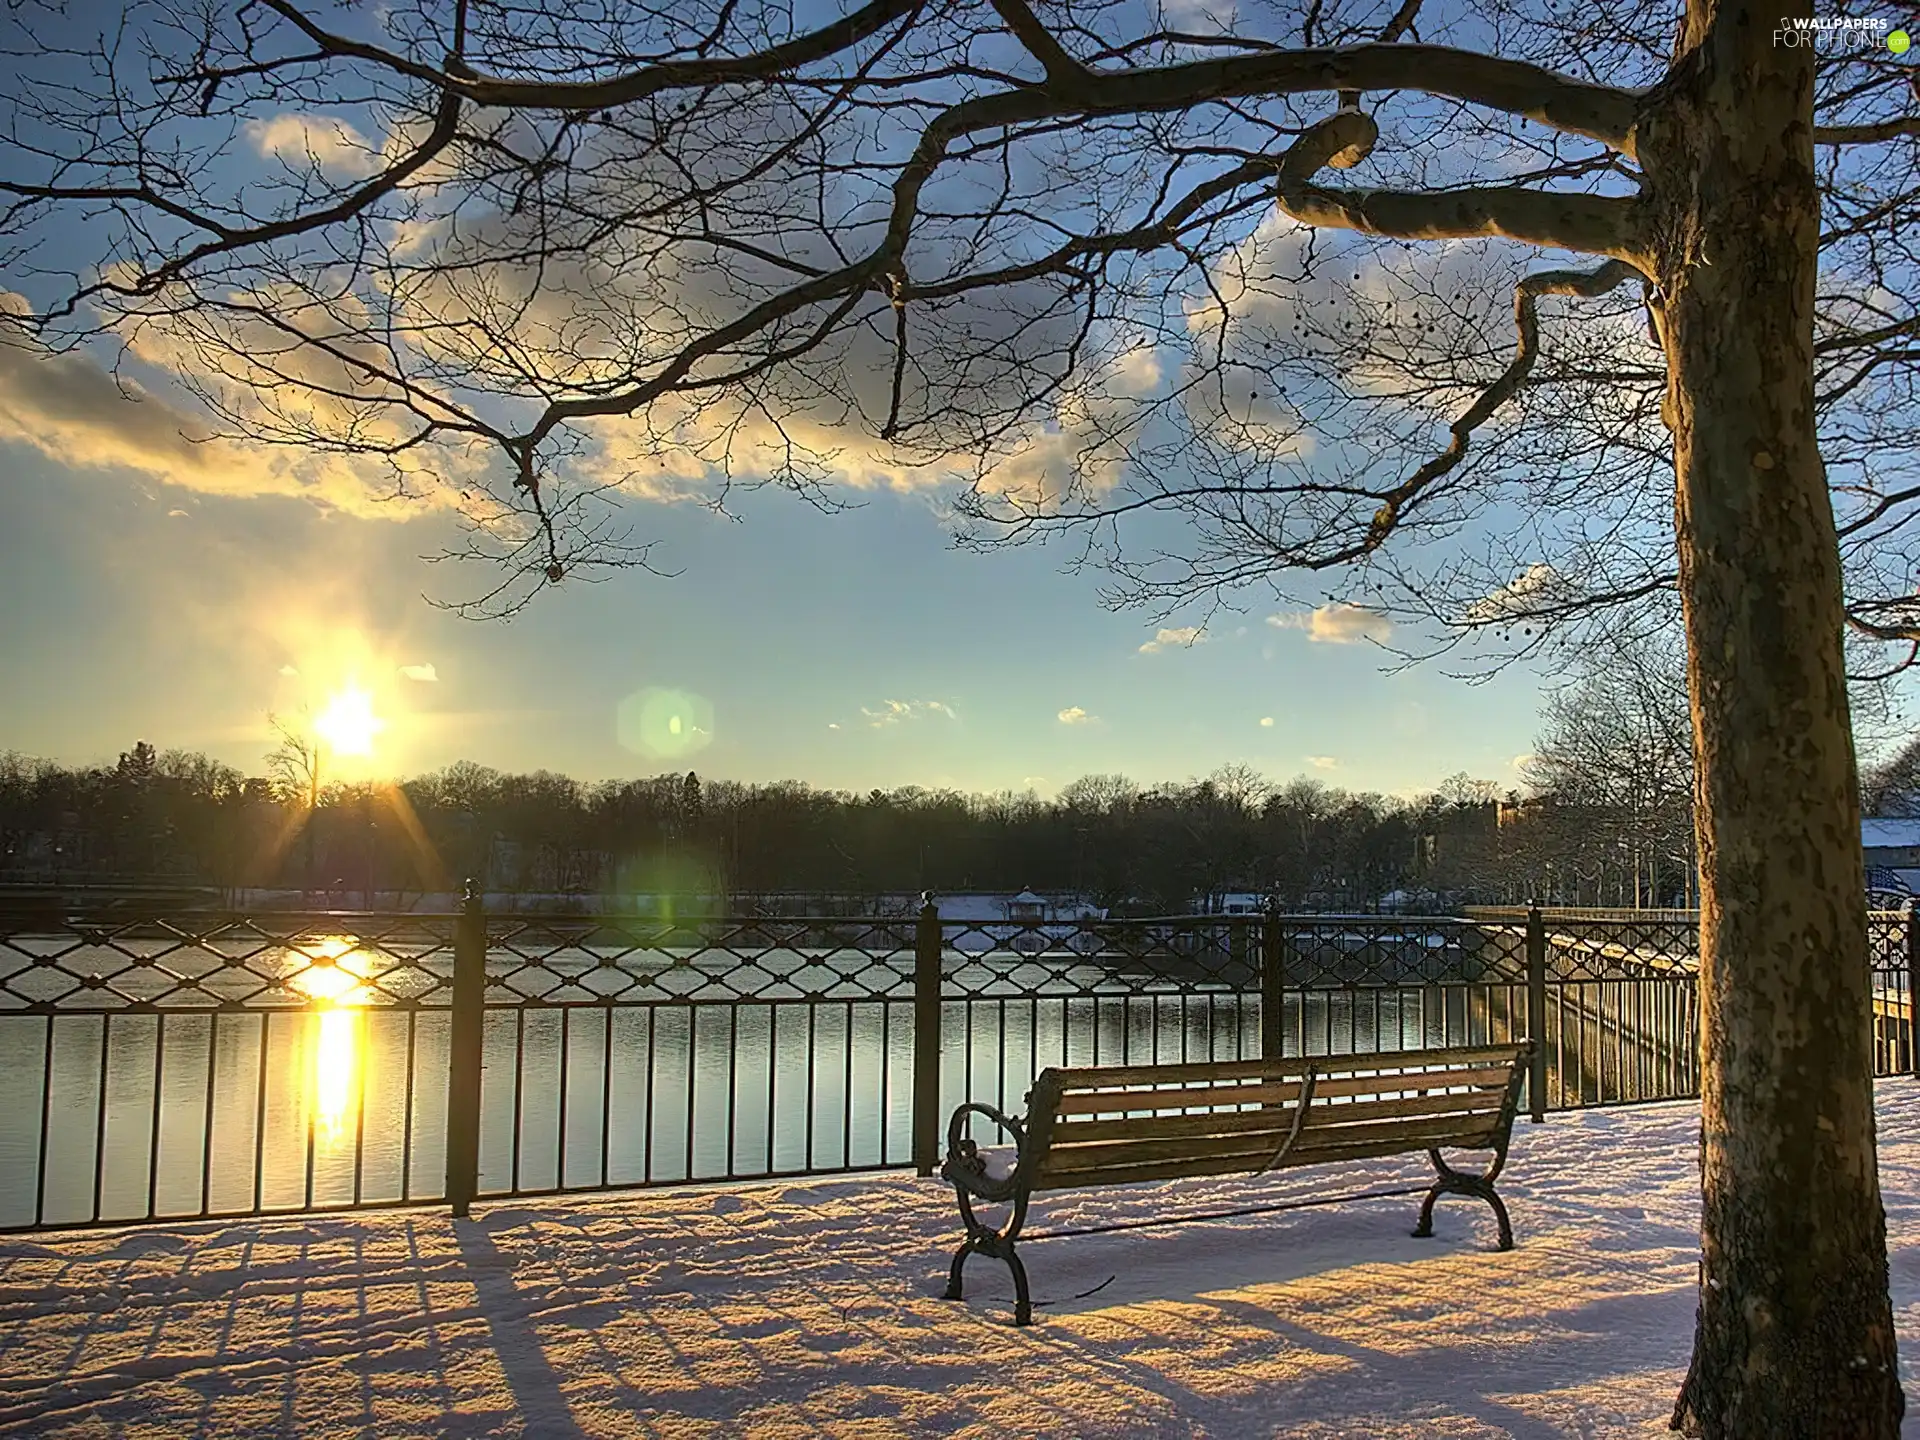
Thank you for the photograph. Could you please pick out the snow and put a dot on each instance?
(811, 1308)
(998, 1162)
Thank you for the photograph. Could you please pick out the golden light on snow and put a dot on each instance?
(348, 724)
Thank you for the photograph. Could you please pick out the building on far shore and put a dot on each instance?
(1891, 846)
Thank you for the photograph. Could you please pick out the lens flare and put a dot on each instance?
(665, 724)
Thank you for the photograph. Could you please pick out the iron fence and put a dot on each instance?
(211, 1066)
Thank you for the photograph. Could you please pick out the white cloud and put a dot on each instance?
(1387, 329)
(1266, 722)
(1323, 762)
(1336, 624)
(594, 315)
(1074, 715)
(176, 515)
(288, 670)
(306, 140)
(833, 725)
(1536, 588)
(1185, 636)
(425, 673)
(895, 712)
(76, 413)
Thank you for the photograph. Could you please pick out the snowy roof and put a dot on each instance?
(1027, 897)
(1886, 833)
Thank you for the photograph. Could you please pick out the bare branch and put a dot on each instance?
(1905, 127)
(1064, 73)
(1585, 284)
(1594, 224)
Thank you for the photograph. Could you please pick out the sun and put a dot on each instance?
(348, 724)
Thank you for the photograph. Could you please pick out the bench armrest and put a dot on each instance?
(964, 1165)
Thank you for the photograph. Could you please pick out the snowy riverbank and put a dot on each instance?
(810, 1309)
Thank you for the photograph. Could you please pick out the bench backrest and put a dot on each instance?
(1118, 1124)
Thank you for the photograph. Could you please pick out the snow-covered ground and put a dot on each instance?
(812, 1309)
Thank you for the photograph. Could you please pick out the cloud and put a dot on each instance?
(1388, 326)
(1186, 636)
(288, 670)
(1323, 762)
(76, 413)
(895, 712)
(303, 141)
(1266, 722)
(176, 515)
(1337, 624)
(424, 673)
(600, 310)
(1535, 589)
(1074, 715)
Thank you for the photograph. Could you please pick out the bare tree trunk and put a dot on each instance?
(1795, 1332)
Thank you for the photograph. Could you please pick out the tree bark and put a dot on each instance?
(1795, 1331)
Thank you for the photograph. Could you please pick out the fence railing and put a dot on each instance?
(203, 1066)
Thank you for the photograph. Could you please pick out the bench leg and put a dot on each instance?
(1022, 1300)
(954, 1291)
(1500, 1214)
(988, 1243)
(1455, 1182)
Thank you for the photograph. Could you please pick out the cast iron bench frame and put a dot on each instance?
(1135, 1123)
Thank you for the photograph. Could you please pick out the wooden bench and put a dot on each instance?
(1125, 1124)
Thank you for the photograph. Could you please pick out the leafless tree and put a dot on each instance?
(1615, 752)
(1613, 309)
(1893, 786)
(293, 768)
(294, 764)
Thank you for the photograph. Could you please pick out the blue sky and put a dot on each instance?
(141, 609)
(160, 590)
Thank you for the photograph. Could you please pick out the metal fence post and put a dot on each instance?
(1273, 985)
(1913, 991)
(1537, 1014)
(926, 1038)
(463, 1062)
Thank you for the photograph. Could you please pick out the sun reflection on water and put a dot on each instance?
(333, 980)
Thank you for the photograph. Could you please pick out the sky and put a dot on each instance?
(180, 593)
(851, 651)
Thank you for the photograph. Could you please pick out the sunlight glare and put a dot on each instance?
(333, 972)
(348, 724)
(336, 1075)
(332, 978)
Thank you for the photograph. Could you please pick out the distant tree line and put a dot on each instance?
(178, 816)
(1602, 815)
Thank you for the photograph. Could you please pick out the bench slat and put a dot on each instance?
(1268, 1118)
(1255, 1148)
(1081, 1077)
(1232, 1164)
(1284, 1092)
